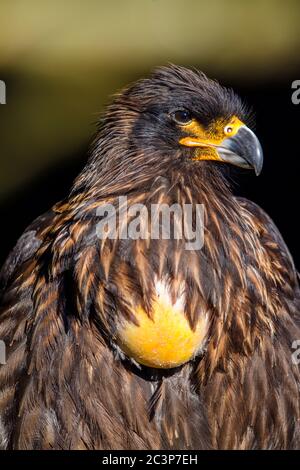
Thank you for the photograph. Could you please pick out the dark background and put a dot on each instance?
(67, 64)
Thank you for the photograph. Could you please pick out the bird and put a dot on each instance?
(118, 342)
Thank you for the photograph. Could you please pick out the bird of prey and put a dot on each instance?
(119, 342)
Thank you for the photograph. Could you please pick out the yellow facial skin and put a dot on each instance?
(208, 139)
(165, 341)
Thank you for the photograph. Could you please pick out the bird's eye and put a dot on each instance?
(182, 117)
(228, 129)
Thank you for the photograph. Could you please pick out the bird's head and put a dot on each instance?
(178, 113)
(177, 118)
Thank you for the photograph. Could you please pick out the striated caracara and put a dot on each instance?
(145, 342)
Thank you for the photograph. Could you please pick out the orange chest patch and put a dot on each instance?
(164, 341)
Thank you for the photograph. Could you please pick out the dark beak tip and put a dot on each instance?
(258, 160)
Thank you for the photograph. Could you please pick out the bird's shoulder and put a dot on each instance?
(25, 248)
(271, 239)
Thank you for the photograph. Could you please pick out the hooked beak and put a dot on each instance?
(243, 149)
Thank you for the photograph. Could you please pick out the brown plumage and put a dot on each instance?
(67, 383)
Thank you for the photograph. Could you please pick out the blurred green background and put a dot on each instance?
(62, 60)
